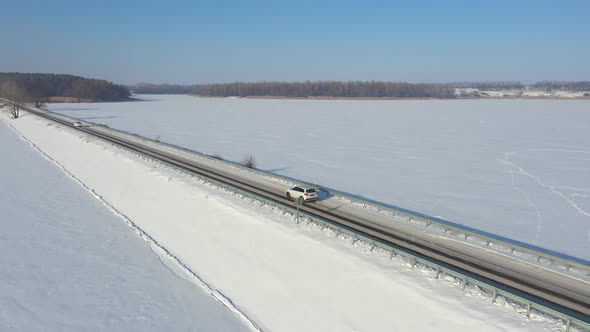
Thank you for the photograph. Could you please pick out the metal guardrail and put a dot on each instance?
(514, 246)
(540, 253)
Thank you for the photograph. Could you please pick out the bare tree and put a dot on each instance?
(37, 98)
(40, 104)
(249, 161)
(15, 95)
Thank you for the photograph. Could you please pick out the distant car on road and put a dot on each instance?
(77, 124)
(307, 193)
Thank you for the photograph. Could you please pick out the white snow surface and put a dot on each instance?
(69, 264)
(522, 93)
(516, 168)
(275, 274)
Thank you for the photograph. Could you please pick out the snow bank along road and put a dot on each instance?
(67, 263)
(549, 285)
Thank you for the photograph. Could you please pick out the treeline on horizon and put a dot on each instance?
(358, 89)
(541, 85)
(40, 87)
(369, 89)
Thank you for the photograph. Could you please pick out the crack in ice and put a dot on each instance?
(538, 212)
(538, 180)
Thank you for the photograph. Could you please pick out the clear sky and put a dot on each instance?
(222, 41)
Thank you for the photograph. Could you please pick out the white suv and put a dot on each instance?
(308, 193)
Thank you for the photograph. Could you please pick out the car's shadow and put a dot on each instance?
(324, 195)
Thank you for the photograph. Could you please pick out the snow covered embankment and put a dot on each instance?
(279, 275)
(69, 264)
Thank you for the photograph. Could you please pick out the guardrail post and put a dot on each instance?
(528, 310)
(464, 282)
(494, 295)
(437, 272)
(413, 262)
(568, 325)
(298, 204)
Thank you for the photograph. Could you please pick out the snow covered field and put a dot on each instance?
(69, 264)
(516, 168)
(522, 93)
(274, 274)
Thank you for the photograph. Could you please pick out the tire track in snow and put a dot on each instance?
(155, 245)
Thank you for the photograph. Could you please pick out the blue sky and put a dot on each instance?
(222, 41)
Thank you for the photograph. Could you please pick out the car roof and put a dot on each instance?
(305, 186)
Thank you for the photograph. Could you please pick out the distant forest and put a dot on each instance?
(327, 89)
(490, 86)
(38, 88)
(148, 88)
(370, 89)
(358, 89)
(542, 85)
(559, 85)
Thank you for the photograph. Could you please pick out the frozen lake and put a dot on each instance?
(516, 168)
